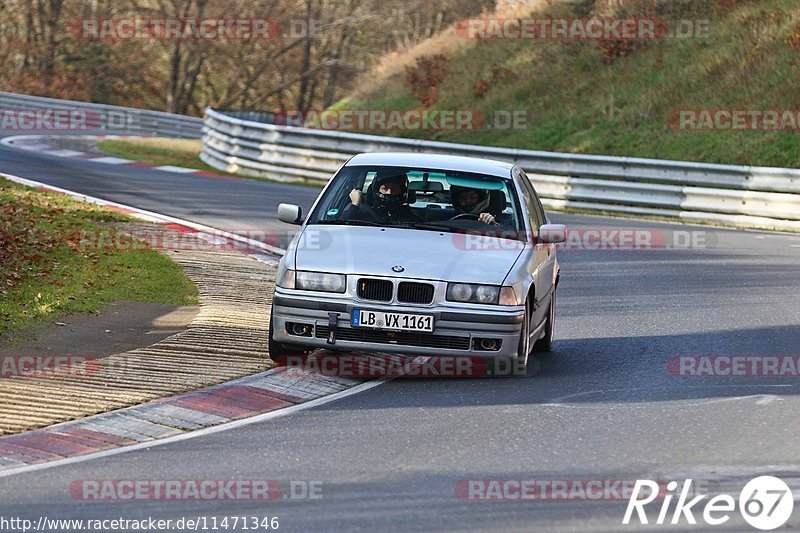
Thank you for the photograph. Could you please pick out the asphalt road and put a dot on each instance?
(603, 407)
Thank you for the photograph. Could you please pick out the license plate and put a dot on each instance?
(392, 321)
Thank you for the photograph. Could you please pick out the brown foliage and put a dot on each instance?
(794, 38)
(616, 49)
(425, 77)
(483, 85)
(43, 52)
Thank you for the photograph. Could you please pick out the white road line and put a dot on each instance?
(64, 153)
(170, 168)
(763, 399)
(111, 160)
(9, 141)
(766, 399)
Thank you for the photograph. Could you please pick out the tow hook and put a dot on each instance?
(333, 320)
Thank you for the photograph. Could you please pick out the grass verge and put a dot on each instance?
(606, 97)
(174, 152)
(47, 268)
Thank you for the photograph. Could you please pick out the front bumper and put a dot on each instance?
(454, 328)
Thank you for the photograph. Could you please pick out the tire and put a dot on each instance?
(524, 348)
(545, 344)
(279, 351)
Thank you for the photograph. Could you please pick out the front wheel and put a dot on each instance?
(524, 348)
(545, 344)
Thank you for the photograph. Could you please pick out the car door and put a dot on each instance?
(543, 267)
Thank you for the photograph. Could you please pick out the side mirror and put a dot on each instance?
(290, 213)
(553, 233)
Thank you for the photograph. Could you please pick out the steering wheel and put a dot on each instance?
(472, 216)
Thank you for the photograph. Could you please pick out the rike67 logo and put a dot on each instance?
(765, 503)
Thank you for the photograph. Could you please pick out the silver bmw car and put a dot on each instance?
(419, 254)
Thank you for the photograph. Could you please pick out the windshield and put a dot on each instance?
(418, 198)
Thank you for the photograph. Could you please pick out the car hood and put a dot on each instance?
(422, 254)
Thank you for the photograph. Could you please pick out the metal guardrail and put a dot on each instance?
(740, 196)
(241, 142)
(118, 119)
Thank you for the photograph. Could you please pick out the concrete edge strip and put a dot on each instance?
(244, 401)
(19, 142)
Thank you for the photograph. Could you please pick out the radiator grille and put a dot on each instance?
(379, 290)
(415, 293)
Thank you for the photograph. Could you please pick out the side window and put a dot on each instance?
(537, 205)
(532, 204)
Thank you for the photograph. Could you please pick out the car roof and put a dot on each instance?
(434, 161)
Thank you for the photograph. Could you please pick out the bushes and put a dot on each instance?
(425, 77)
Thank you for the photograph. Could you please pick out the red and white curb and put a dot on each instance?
(245, 401)
(38, 143)
(248, 400)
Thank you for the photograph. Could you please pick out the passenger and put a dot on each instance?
(386, 201)
(468, 201)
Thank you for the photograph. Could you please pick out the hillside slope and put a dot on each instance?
(608, 97)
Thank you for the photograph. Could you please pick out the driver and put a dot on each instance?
(467, 201)
(386, 201)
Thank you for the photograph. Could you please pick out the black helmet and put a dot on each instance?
(388, 201)
(455, 192)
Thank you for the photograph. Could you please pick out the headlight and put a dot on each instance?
(481, 294)
(460, 292)
(475, 294)
(487, 295)
(317, 281)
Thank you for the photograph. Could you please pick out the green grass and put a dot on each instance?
(49, 264)
(579, 104)
(175, 152)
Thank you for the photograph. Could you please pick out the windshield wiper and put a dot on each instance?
(426, 226)
(349, 223)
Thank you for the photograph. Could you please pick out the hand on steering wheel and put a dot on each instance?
(486, 218)
(472, 216)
